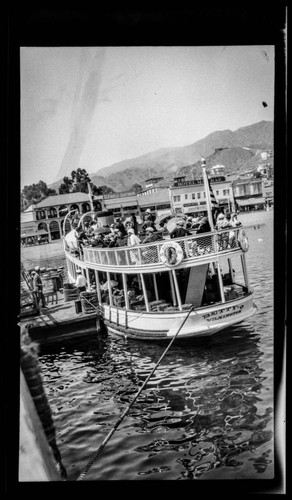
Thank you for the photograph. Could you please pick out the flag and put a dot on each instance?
(214, 203)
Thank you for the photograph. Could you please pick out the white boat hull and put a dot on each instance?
(202, 322)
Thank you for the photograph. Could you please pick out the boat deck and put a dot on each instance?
(59, 321)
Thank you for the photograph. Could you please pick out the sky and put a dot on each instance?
(90, 107)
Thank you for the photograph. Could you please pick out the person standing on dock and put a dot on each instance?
(80, 281)
(38, 287)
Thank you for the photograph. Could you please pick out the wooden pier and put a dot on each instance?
(60, 320)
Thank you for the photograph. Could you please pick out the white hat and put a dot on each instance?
(148, 211)
(180, 222)
(37, 268)
(78, 271)
(220, 216)
(131, 230)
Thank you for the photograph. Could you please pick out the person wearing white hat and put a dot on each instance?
(80, 281)
(133, 239)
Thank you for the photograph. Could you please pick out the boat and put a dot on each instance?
(196, 285)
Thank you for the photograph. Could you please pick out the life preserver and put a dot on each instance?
(243, 240)
(171, 254)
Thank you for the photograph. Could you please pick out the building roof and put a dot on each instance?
(161, 196)
(63, 199)
(29, 209)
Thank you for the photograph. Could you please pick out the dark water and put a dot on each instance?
(206, 413)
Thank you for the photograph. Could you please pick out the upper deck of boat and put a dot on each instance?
(164, 254)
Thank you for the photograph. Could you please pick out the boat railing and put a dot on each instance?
(190, 249)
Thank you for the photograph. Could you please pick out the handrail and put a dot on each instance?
(148, 255)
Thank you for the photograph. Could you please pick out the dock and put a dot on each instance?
(59, 321)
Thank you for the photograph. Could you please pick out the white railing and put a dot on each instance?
(150, 254)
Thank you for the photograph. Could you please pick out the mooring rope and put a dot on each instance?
(109, 435)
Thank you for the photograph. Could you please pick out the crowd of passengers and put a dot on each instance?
(129, 233)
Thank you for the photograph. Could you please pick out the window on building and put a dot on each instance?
(193, 196)
(52, 212)
(199, 195)
(217, 193)
(186, 196)
(225, 192)
(204, 194)
(176, 198)
(40, 215)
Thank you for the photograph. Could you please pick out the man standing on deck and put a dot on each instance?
(80, 281)
(38, 287)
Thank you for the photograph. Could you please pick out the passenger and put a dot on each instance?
(121, 239)
(151, 235)
(195, 222)
(112, 240)
(204, 244)
(120, 226)
(220, 222)
(135, 286)
(148, 223)
(149, 220)
(106, 240)
(150, 216)
(234, 221)
(98, 241)
(204, 226)
(189, 223)
(133, 240)
(118, 297)
(180, 231)
(134, 223)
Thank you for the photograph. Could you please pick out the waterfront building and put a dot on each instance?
(248, 194)
(48, 215)
(189, 197)
(162, 197)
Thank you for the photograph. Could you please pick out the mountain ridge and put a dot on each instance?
(166, 162)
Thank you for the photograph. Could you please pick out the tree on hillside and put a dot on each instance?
(137, 188)
(66, 186)
(103, 190)
(78, 183)
(37, 192)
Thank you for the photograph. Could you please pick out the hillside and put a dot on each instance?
(167, 162)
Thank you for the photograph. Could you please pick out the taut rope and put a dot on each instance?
(109, 435)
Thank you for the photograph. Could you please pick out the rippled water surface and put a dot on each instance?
(206, 413)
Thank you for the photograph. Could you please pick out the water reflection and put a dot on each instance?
(199, 412)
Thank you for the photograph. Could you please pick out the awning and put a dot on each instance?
(251, 201)
(191, 210)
